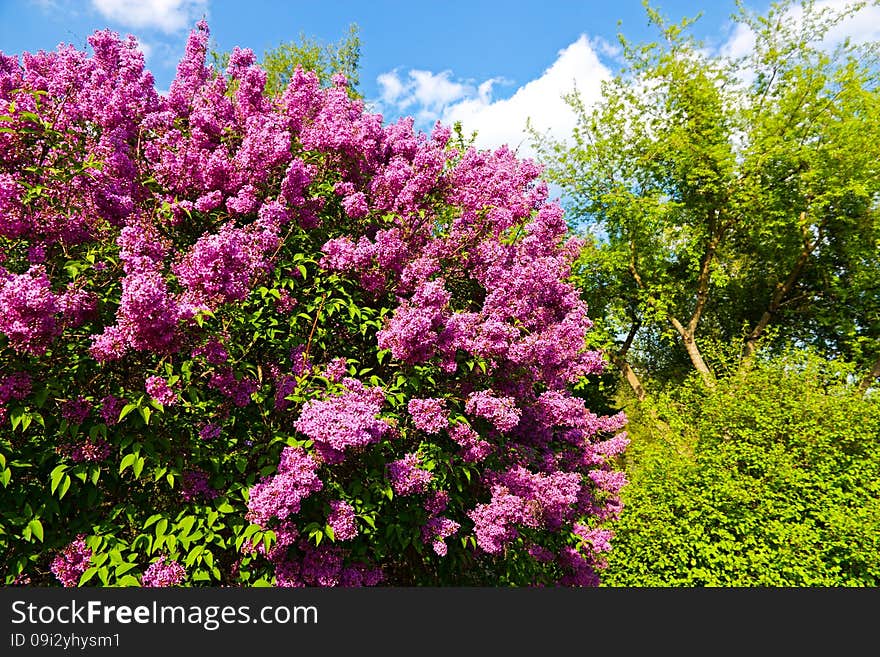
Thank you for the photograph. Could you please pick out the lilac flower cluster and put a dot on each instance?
(76, 410)
(221, 266)
(111, 407)
(521, 497)
(280, 496)
(336, 370)
(195, 485)
(86, 450)
(325, 566)
(406, 477)
(474, 449)
(213, 351)
(342, 520)
(500, 411)
(28, 309)
(158, 388)
(239, 391)
(210, 431)
(438, 527)
(163, 573)
(437, 530)
(429, 415)
(15, 386)
(69, 565)
(344, 422)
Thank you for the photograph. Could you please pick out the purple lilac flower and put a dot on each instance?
(76, 410)
(473, 448)
(111, 407)
(342, 520)
(163, 573)
(15, 386)
(210, 431)
(238, 390)
(344, 422)
(436, 502)
(69, 565)
(336, 369)
(280, 496)
(429, 414)
(437, 530)
(286, 303)
(500, 411)
(158, 389)
(495, 523)
(213, 351)
(27, 310)
(86, 450)
(195, 485)
(407, 477)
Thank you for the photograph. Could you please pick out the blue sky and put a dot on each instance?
(489, 64)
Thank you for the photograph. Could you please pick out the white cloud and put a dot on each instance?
(145, 48)
(541, 101)
(427, 93)
(435, 96)
(740, 42)
(169, 16)
(861, 27)
(392, 88)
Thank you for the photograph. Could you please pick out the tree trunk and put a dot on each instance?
(779, 294)
(631, 377)
(693, 352)
(619, 360)
(870, 377)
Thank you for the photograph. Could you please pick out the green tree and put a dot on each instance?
(325, 59)
(311, 54)
(722, 197)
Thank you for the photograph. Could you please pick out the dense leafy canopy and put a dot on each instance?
(727, 196)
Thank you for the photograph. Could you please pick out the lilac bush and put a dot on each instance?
(251, 340)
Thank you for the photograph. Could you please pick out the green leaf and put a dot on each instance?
(90, 572)
(128, 408)
(123, 568)
(185, 525)
(138, 466)
(152, 519)
(56, 476)
(129, 580)
(64, 487)
(36, 528)
(127, 460)
(223, 506)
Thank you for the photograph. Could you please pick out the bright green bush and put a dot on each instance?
(770, 479)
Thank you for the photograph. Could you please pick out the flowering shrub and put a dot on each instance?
(253, 340)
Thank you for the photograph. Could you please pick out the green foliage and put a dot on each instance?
(770, 479)
(310, 53)
(325, 59)
(720, 196)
